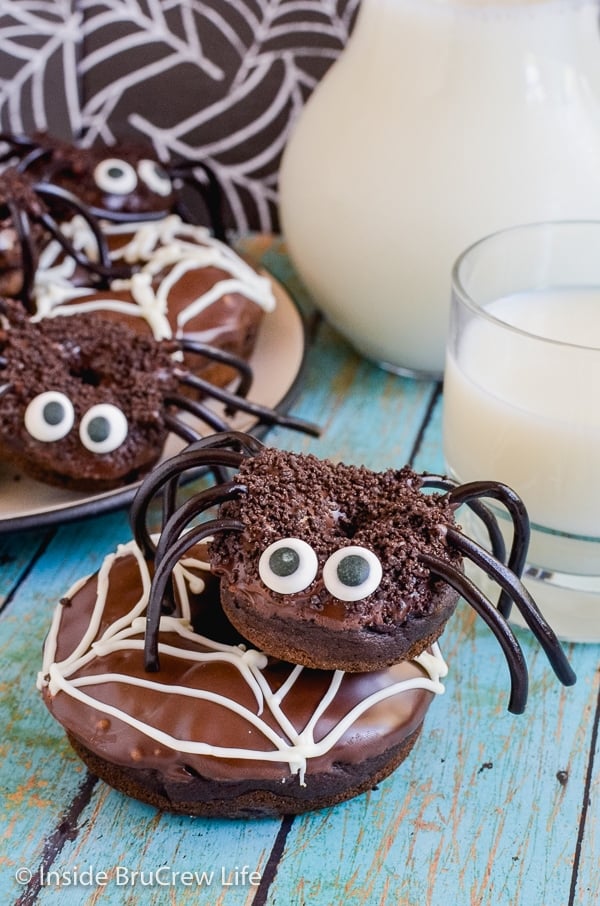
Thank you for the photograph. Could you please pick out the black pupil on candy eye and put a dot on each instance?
(115, 172)
(54, 413)
(353, 570)
(98, 429)
(284, 562)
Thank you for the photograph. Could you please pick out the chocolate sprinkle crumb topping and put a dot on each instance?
(332, 505)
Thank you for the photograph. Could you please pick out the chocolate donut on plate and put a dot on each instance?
(172, 280)
(90, 408)
(149, 266)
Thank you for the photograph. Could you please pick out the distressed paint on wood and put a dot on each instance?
(476, 812)
(16, 554)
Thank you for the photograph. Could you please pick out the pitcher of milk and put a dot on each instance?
(441, 122)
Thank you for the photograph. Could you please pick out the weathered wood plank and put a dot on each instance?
(588, 848)
(39, 774)
(477, 814)
(16, 555)
(153, 858)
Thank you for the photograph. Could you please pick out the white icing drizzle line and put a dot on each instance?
(127, 633)
(168, 244)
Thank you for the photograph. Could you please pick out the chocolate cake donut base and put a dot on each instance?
(248, 799)
(221, 729)
(354, 651)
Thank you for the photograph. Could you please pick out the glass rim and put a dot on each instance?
(480, 310)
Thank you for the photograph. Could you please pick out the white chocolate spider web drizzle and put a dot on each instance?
(167, 244)
(296, 747)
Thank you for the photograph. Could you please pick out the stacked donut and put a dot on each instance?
(281, 656)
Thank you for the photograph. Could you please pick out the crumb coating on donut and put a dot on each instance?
(330, 506)
(91, 362)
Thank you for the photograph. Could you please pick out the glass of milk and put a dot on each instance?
(522, 400)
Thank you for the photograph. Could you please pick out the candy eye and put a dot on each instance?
(155, 176)
(49, 416)
(103, 428)
(288, 566)
(352, 573)
(115, 177)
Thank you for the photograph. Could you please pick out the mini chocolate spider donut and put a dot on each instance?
(305, 580)
(84, 410)
(336, 567)
(121, 181)
(90, 408)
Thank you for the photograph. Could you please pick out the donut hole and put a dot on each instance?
(89, 376)
(346, 527)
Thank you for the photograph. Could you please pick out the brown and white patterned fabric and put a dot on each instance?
(213, 80)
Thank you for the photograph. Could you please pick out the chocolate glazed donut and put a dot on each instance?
(222, 729)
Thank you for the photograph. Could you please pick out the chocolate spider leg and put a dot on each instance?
(240, 365)
(236, 442)
(15, 142)
(262, 413)
(481, 511)
(193, 457)
(189, 435)
(190, 509)
(124, 217)
(22, 226)
(202, 412)
(211, 193)
(466, 493)
(175, 519)
(103, 267)
(519, 681)
(162, 578)
(33, 155)
(519, 595)
(181, 429)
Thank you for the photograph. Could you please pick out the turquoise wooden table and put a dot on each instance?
(489, 809)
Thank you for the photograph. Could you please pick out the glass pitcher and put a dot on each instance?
(442, 121)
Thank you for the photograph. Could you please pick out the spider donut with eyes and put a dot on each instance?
(163, 699)
(121, 182)
(337, 567)
(90, 409)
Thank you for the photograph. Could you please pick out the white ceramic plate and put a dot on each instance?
(277, 364)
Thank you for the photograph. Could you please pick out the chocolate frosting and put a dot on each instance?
(216, 709)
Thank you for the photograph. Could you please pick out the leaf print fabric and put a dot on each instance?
(215, 80)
